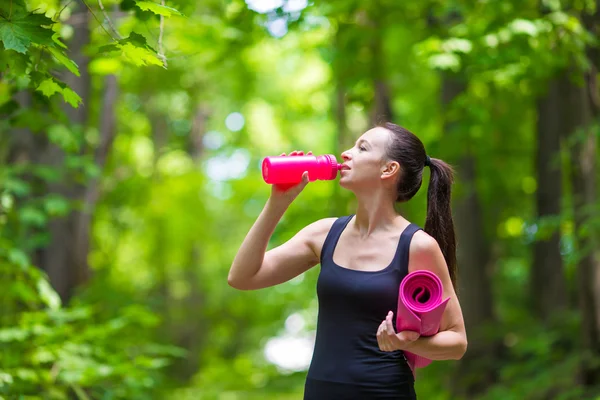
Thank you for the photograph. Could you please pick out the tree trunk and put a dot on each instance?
(82, 219)
(21, 142)
(160, 139)
(59, 258)
(382, 107)
(340, 139)
(65, 257)
(473, 259)
(582, 111)
(187, 333)
(547, 280)
(196, 144)
(578, 112)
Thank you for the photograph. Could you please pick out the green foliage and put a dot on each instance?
(172, 206)
(50, 86)
(21, 30)
(18, 32)
(158, 9)
(135, 50)
(52, 351)
(542, 361)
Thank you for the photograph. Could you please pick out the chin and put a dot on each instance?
(344, 183)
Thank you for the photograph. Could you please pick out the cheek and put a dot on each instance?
(368, 171)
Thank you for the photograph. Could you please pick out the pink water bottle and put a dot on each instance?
(289, 169)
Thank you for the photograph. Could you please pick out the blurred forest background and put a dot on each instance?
(131, 137)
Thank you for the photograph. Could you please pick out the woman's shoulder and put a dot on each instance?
(425, 253)
(422, 242)
(318, 230)
(321, 226)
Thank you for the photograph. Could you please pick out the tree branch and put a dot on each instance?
(161, 53)
(99, 22)
(109, 20)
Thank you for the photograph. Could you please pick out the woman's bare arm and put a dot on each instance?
(255, 268)
(451, 340)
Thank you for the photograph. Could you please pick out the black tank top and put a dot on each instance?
(347, 362)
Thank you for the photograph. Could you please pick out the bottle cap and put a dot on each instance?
(335, 166)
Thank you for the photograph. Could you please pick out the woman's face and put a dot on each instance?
(366, 163)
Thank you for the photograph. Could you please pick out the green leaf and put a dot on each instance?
(18, 257)
(48, 87)
(65, 138)
(445, 61)
(159, 362)
(19, 32)
(24, 292)
(56, 39)
(33, 216)
(17, 64)
(127, 5)
(48, 174)
(135, 50)
(5, 94)
(56, 205)
(41, 356)
(109, 48)
(48, 295)
(13, 335)
(457, 45)
(140, 56)
(5, 378)
(10, 9)
(138, 40)
(27, 374)
(12, 41)
(6, 201)
(157, 9)
(64, 60)
(524, 26)
(71, 97)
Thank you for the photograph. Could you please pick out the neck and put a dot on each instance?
(375, 212)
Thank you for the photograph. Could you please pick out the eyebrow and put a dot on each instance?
(363, 141)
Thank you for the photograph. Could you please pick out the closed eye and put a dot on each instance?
(362, 148)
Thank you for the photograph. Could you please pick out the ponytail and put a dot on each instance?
(408, 150)
(438, 223)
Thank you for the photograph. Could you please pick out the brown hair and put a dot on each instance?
(408, 150)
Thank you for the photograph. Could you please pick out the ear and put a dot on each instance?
(390, 170)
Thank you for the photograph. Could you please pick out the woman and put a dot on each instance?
(364, 257)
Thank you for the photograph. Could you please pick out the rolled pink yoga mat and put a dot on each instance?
(420, 309)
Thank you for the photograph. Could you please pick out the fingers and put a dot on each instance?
(389, 340)
(298, 186)
(305, 177)
(408, 336)
(388, 323)
(390, 333)
(384, 339)
(297, 153)
(381, 338)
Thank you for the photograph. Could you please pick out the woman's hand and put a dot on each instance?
(389, 340)
(288, 192)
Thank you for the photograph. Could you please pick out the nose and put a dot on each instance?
(346, 156)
